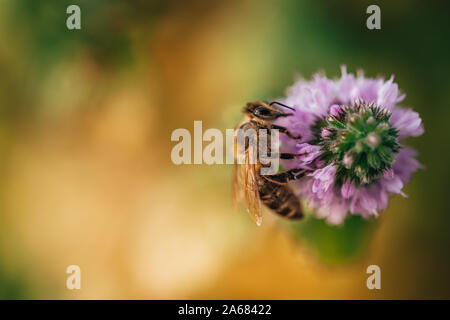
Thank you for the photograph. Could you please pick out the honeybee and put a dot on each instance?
(248, 184)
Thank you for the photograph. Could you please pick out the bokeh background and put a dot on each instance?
(85, 170)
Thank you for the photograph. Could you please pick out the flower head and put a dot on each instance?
(352, 130)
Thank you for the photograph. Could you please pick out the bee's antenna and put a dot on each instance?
(283, 105)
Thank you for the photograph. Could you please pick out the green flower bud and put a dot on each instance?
(364, 145)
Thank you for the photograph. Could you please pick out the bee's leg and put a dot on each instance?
(290, 156)
(285, 176)
(285, 131)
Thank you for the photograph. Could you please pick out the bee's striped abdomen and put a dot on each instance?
(281, 199)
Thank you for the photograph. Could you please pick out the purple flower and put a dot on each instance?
(407, 122)
(323, 181)
(352, 129)
(308, 152)
(326, 133)
(335, 110)
(347, 189)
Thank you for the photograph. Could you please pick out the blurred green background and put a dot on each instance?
(86, 178)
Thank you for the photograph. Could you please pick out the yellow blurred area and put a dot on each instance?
(88, 179)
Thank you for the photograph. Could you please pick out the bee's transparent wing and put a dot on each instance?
(245, 186)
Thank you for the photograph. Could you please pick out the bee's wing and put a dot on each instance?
(251, 192)
(238, 174)
(245, 186)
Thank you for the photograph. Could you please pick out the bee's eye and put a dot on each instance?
(260, 111)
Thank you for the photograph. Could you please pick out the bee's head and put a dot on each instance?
(263, 111)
